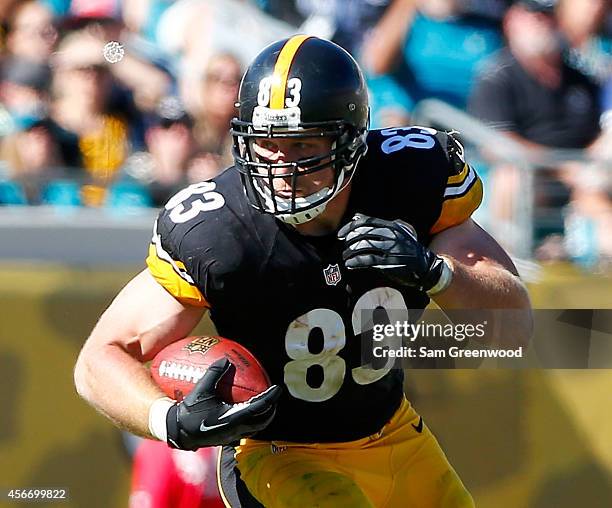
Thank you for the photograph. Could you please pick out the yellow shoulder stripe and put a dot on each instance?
(171, 281)
(281, 70)
(460, 201)
(455, 179)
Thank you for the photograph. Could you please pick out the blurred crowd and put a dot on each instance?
(87, 124)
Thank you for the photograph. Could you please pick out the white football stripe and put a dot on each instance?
(180, 371)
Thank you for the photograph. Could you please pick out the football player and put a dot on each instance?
(318, 221)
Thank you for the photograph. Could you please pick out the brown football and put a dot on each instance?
(177, 368)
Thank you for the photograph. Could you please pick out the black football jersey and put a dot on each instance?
(288, 298)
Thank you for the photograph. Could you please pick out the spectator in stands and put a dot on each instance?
(142, 16)
(423, 49)
(170, 144)
(528, 90)
(31, 31)
(283, 10)
(29, 149)
(346, 22)
(82, 105)
(59, 8)
(196, 30)
(173, 159)
(220, 93)
(34, 170)
(529, 93)
(34, 151)
(589, 48)
(603, 146)
(491, 9)
(6, 7)
(134, 74)
(23, 88)
(24, 98)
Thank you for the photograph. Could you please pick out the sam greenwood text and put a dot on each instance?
(451, 352)
(395, 336)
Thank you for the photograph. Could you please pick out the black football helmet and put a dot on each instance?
(296, 88)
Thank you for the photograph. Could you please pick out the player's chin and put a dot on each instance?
(284, 193)
(288, 193)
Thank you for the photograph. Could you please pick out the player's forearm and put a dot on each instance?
(109, 374)
(484, 286)
(117, 385)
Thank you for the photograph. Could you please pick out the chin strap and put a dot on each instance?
(303, 217)
(308, 215)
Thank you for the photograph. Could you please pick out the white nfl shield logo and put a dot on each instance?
(332, 274)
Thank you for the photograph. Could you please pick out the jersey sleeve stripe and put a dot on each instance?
(167, 277)
(459, 178)
(457, 208)
(172, 274)
(178, 266)
(459, 189)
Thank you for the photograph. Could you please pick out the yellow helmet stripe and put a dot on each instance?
(281, 70)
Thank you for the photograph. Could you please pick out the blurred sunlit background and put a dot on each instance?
(95, 137)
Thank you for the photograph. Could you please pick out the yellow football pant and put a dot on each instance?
(398, 467)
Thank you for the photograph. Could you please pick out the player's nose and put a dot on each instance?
(286, 169)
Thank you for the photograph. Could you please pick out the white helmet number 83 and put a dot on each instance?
(294, 86)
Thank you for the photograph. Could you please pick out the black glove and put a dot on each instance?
(393, 249)
(203, 419)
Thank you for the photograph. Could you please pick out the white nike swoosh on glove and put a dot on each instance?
(204, 427)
